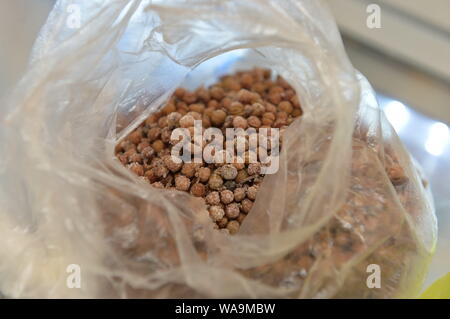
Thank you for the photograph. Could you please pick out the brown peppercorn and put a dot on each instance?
(198, 189)
(125, 145)
(160, 171)
(131, 151)
(189, 97)
(226, 103)
(228, 121)
(206, 121)
(179, 92)
(281, 115)
(223, 222)
(143, 144)
(218, 117)
(268, 116)
(151, 119)
(257, 109)
(182, 183)
(182, 108)
(162, 122)
(213, 104)
(286, 106)
(197, 107)
(203, 94)
(217, 93)
(254, 168)
(169, 108)
(240, 122)
(226, 196)
(173, 119)
(156, 162)
(253, 121)
(247, 80)
(295, 102)
(209, 111)
(276, 89)
(396, 175)
(203, 174)
(280, 123)
(213, 198)
(296, 112)
(246, 96)
(252, 191)
(239, 194)
(158, 145)
(189, 169)
(150, 174)
(187, 121)
(217, 213)
(231, 83)
(228, 172)
(215, 181)
(231, 185)
(135, 137)
(197, 116)
(236, 108)
(233, 226)
(289, 94)
(270, 108)
(259, 87)
(248, 109)
(267, 122)
(241, 176)
(123, 158)
(275, 98)
(154, 133)
(166, 134)
(164, 152)
(246, 205)
(232, 210)
(136, 168)
(171, 164)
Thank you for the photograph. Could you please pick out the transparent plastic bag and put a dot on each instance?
(65, 199)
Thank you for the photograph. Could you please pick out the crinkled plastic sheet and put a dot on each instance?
(64, 199)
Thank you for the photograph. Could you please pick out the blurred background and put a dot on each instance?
(407, 60)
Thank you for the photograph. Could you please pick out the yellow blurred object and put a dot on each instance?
(440, 289)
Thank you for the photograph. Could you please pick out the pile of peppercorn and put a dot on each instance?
(242, 100)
